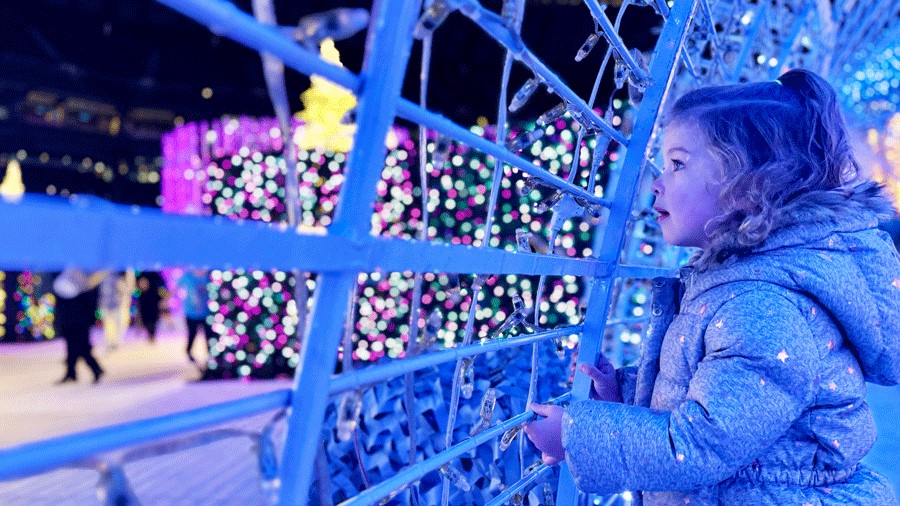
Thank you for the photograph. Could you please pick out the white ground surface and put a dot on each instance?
(142, 380)
(146, 380)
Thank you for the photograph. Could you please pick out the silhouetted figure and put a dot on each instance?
(195, 299)
(151, 285)
(75, 314)
(115, 306)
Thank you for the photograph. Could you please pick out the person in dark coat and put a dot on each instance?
(75, 314)
(195, 304)
(152, 286)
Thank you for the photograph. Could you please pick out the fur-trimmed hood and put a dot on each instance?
(830, 250)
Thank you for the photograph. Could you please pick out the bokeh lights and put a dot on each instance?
(253, 314)
(885, 165)
(35, 303)
(871, 84)
(254, 319)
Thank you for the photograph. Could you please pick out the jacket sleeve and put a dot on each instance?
(627, 379)
(754, 381)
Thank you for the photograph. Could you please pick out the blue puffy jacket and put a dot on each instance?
(751, 383)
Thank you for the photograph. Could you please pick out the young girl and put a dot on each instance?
(751, 384)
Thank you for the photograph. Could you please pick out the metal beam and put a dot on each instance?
(369, 375)
(382, 77)
(52, 234)
(662, 69)
(41, 456)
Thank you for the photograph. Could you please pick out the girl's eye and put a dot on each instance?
(677, 165)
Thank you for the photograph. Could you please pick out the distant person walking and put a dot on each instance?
(193, 292)
(115, 306)
(75, 314)
(152, 289)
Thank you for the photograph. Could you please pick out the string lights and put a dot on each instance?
(254, 315)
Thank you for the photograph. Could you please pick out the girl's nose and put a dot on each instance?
(656, 187)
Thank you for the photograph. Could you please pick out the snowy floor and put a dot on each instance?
(142, 380)
(145, 380)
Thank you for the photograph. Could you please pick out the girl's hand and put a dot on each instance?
(546, 433)
(606, 388)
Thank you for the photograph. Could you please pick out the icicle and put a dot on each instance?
(432, 327)
(348, 414)
(455, 291)
(455, 477)
(441, 152)
(431, 18)
(524, 93)
(580, 117)
(509, 436)
(510, 14)
(517, 317)
(548, 203)
(600, 148)
(487, 411)
(487, 405)
(592, 211)
(525, 139)
(467, 377)
(548, 495)
(582, 307)
(560, 348)
(518, 303)
(552, 115)
(637, 86)
(585, 48)
(336, 24)
(620, 74)
(528, 185)
(522, 244)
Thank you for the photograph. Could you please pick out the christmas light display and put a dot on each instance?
(248, 183)
(35, 301)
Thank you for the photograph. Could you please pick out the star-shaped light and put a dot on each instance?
(782, 355)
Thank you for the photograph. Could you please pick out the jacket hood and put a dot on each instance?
(832, 252)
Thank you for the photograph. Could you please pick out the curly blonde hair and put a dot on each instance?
(782, 144)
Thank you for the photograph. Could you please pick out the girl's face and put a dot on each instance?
(687, 193)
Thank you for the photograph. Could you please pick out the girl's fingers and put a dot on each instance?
(594, 373)
(591, 371)
(605, 365)
(541, 409)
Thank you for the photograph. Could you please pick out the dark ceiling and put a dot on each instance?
(146, 62)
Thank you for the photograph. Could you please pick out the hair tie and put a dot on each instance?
(778, 82)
